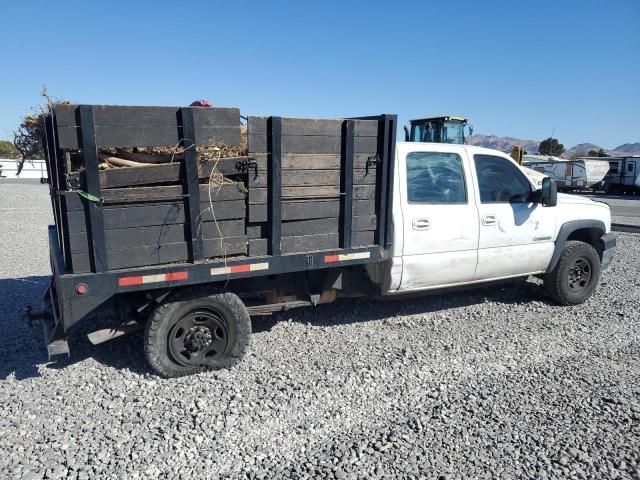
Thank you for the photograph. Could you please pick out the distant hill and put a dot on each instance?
(505, 144)
(627, 149)
(582, 149)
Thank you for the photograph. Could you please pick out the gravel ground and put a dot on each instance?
(493, 383)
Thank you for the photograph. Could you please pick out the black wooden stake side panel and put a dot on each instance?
(157, 235)
(191, 186)
(94, 210)
(346, 183)
(128, 126)
(381, 193)
(54, 183)
(274, 145)
(389, 172)
(147, 255)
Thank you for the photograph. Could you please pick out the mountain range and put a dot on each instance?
(505, 144)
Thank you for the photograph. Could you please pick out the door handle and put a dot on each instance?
(489, 219)
(421, 224)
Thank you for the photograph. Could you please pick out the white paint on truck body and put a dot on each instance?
(462, 215)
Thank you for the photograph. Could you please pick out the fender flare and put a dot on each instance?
(566, 230)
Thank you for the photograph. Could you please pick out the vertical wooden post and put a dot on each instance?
(389, 161)
(94, 210)
(274, 148)
(346, 183)
(54, 183)
(191, 186)
(386, 153)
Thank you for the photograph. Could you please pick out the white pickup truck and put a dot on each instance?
(464, 215)
(318, 209)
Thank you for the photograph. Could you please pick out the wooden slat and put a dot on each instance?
(147, 136)
(360, 160)
(122, 238)
(312, 144)
(156, 214)
(135, 116)
(124, 177)
(147, 126)
(315, 226)
(310, 227)
(364, 192)
(302, 161)
(160, 254)
(256, 230)
(364, 207)
(361, 239)
(259, 195)
(312, 178)
(313, 161)
(258, 247)
(360, 192)
(309, 126)
(227, 191)
(295, 210)
(215, 193)
(163, 173)
(364, 177)
(299, 178)
(308, 243)
(362, 223)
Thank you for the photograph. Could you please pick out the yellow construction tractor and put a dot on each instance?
(445, 129)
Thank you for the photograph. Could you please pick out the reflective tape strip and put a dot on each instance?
(246, 267)
(346, 256)
(144, 279)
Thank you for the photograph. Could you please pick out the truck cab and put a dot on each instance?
(464, 215)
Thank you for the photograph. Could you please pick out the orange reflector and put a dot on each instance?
(144, 279)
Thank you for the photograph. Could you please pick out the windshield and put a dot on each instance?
(451, 132)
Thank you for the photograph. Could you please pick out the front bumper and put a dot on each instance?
(608, 249)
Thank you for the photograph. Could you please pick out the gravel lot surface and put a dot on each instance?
(493, 383)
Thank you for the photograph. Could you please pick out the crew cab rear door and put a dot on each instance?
(439, 216)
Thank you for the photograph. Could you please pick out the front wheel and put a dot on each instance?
(195, 331)
(576, 275)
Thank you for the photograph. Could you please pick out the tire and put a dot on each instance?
(195, 331)
(576, 275)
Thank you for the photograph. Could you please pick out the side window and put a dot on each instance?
(500, 181)
(630, 167)
(434, 177)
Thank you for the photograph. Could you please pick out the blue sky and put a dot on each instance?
(514, 68)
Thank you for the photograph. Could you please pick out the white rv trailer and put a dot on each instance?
(32, 169)
(574, 174)
(623, 176)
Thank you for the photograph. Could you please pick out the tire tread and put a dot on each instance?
(554, 281)
(160, 361)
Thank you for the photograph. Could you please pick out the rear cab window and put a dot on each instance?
(435, 178)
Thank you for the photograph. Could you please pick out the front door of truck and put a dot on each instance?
(440, 219)
(516, 236)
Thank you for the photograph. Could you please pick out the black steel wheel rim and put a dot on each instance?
(199, 338)
(579, 275)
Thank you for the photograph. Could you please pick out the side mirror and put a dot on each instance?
(406, 134)
(549, 193)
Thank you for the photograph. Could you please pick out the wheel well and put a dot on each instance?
(590, 236)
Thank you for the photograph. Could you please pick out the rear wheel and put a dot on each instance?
(195, 331)
(576, 275)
